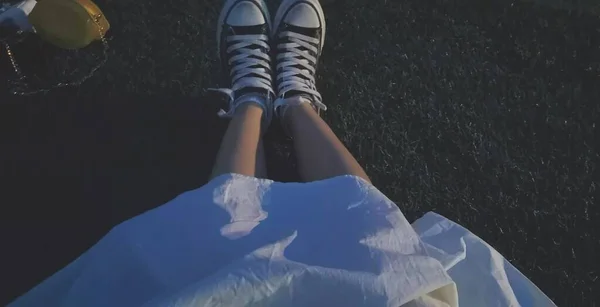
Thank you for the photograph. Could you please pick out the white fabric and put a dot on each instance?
(18, 14)
(483, 276)
(241, 241)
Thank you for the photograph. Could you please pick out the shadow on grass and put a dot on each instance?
(74, 169)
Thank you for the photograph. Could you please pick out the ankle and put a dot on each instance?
(292, 105)
(249, 108)
(293, 115)
(291, 112)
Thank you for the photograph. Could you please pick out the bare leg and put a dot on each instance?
(243, 45)
(320, 153)
(261, 161)
(240, 150)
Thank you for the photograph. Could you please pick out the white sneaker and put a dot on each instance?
(299, 36)
(243, 42)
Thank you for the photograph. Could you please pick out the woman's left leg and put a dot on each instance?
(243, 43)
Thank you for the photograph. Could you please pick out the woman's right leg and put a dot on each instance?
(299, 32)
(320, 153)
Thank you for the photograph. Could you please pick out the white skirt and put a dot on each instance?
(242, 241)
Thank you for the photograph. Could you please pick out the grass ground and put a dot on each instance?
(484, 112)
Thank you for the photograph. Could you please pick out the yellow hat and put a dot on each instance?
(69, 24)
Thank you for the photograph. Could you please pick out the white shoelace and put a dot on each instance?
(297, 72)
(250, 68)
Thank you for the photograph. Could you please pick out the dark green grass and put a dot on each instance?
(485, 113)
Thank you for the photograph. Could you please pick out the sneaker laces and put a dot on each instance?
(250, 68)
(296, 69)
